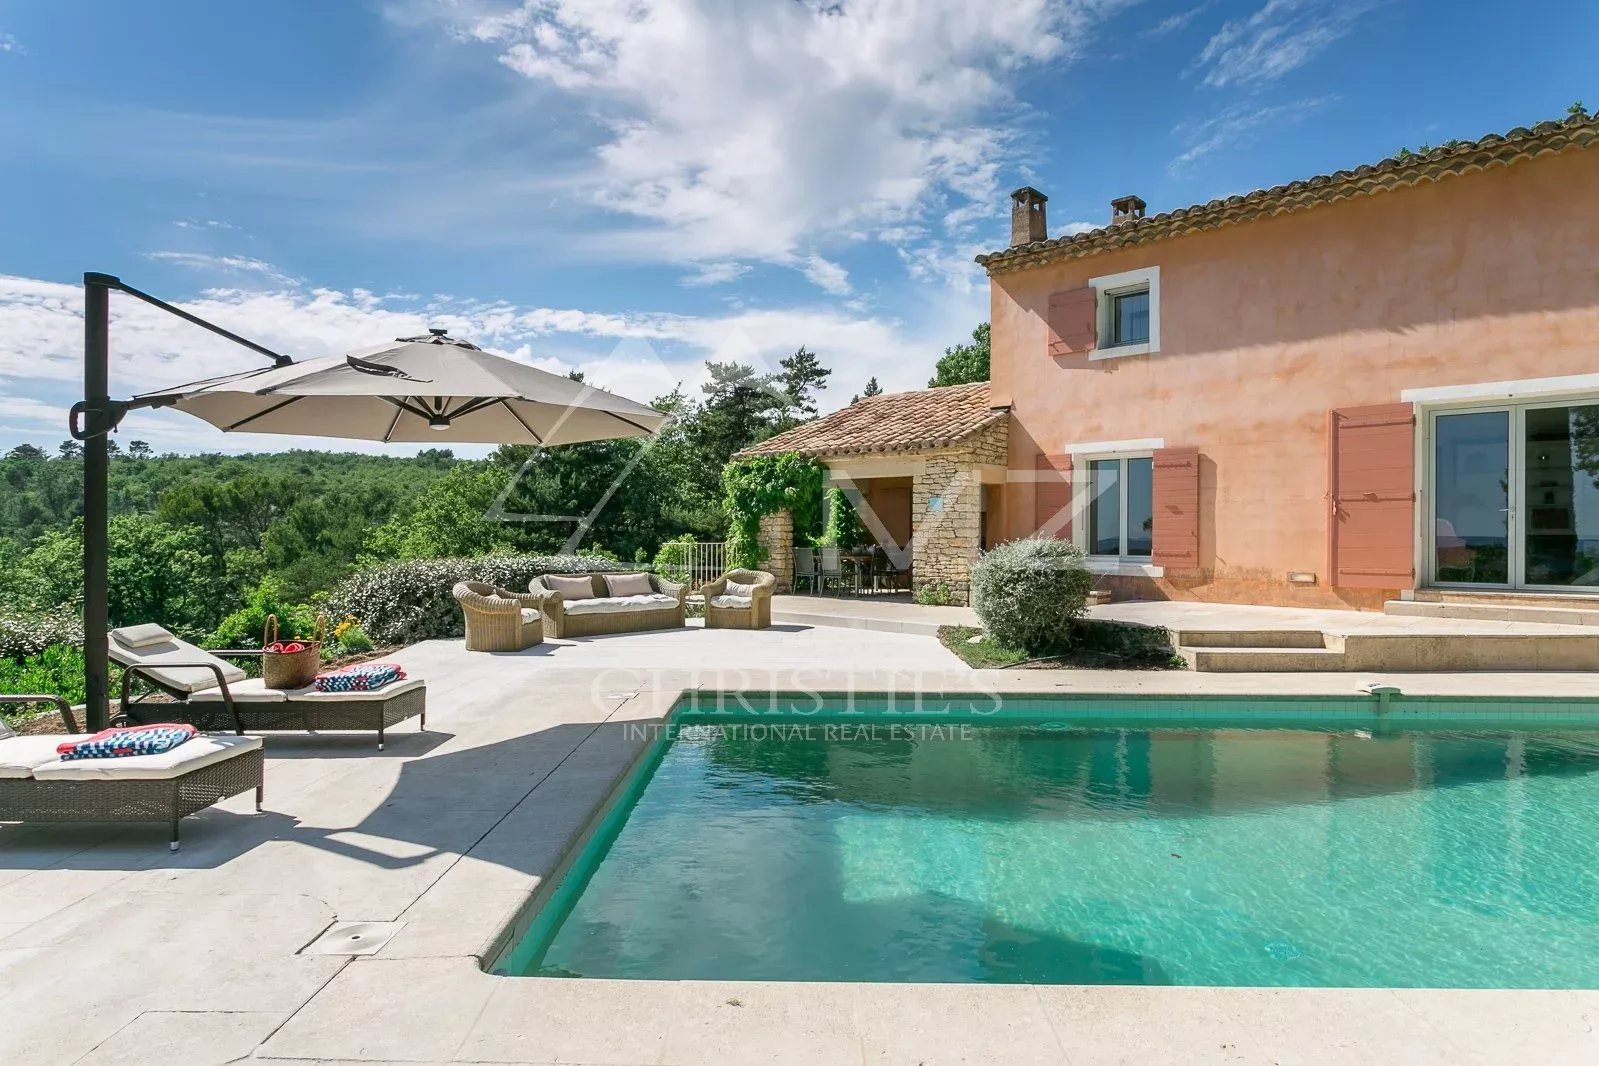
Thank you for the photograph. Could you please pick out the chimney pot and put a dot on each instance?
(1027, 222)
(1126, 209)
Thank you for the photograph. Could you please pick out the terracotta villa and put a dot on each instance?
(1372, 384)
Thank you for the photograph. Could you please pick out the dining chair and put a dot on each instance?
(832, 568)
(804, 568)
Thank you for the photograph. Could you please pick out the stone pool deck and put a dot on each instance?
(112, 950)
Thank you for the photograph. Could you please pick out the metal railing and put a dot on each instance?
(707, 562)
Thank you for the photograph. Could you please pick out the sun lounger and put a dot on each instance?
(214, 694)
(36, 785)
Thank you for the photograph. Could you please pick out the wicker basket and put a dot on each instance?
(295, 669)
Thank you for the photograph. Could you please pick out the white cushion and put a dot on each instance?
(629, 584)
(141, 636)
(140, 646)
(655, 601)
(735, 588)
(730, 601)
(253, 691)
(19, 755)
(570, 588)
(529, 616)
(192, 754)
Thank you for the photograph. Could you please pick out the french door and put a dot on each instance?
(1514, 496)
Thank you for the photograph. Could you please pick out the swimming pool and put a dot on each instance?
(1052, 842)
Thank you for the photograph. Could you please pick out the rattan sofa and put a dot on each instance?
(214, 694)
(37, 786)
(600, 613)
(724, 611)
(498, 619)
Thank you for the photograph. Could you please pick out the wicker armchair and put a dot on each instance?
(498, 619)
(755, 613)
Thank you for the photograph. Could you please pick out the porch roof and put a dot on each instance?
(917, 421)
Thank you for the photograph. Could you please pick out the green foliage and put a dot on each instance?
(27, 631)
(352, 640)
(54, 671)
(672, 561)
(1577, 109)
(803, 377)
(244, 627)
(1029, 593)
(449, 521)
(760, 485)
(964, 363)
(843, 529)
(400, 603)
(934, 594)
(872, 389)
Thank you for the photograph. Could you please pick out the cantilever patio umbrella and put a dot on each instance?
(434, 389)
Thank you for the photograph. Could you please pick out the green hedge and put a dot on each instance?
(1029, 593)
(401, 603)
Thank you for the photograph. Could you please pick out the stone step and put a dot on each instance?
(1506, 597)
(1263, 660)
(1567, 614)
(1250, 638)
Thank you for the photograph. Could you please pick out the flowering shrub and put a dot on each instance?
(401, 603)
(27, 631)
(1030, 593)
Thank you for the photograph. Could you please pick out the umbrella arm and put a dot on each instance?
(98, 418)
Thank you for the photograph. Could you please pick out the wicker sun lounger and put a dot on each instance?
(37, 786)
(212, 693)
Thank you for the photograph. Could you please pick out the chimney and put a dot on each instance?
(1126, 209)
(1027, 216)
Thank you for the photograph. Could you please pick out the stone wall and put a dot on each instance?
(777, 538)
(946, 540)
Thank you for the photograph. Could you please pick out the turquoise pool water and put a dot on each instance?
(1321, 856)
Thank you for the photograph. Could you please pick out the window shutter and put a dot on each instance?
(1073, 321)
(1176, 508)
(1372, 496)
(1052, 497)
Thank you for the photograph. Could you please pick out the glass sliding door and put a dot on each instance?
(1472, 518)
(1560, 496)
(1515, 496)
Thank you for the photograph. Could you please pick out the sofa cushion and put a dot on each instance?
(253, 691)
(570, 588)
(529, 616)
(629, 584)
(733, 602)
(203, 750)
(655, 601)
(734, 588)
(19, 755)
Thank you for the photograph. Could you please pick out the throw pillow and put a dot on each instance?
(629, 584)
(570, 588)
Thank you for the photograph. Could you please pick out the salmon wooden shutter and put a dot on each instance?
(1073, 321)
(1372, 496)
(1176, 508)
(1052, 497)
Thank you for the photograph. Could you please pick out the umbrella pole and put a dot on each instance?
(96, 459)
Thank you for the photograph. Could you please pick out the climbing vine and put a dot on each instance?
(761, 485)
(844, 528)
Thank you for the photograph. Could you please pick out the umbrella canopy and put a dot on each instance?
(432, 389)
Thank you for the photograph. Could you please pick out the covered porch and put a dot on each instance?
(924, 473)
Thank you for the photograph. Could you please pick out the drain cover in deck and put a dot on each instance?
(355, 938)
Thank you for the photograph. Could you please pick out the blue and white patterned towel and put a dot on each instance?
(363, 677)
(135, 740)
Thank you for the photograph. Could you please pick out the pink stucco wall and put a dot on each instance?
(1268, 324)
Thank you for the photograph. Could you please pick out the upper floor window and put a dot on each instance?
(1128, 313)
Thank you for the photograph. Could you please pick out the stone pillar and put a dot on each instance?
(946, 519)
(777, 538)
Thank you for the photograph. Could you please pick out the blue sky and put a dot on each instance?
(634, 186)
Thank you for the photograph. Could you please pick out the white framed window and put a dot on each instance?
(1128, 308)
(1117, 507)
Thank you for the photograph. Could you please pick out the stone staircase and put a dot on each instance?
(1295, 650)
(1549, 609)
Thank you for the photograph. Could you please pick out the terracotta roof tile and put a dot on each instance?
(893, 422)
(1466, 157)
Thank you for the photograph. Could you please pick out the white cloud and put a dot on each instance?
(204, 223)
(776, 131)
(225, 265)
(716, 273)
(1172, 23)
(8, 43)
(826, 275)
(1280, 37)
(641, 355)
(1236, 127)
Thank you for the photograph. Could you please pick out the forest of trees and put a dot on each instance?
(193, 536)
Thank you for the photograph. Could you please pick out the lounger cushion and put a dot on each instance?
(253, 691)
(740, 602)
(655, 601)
(191, 755)
(150, 646)
(629, 584)
(19, 755)
(570, 588)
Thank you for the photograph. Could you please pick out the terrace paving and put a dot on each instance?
(114, 950)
